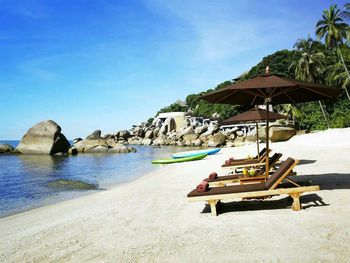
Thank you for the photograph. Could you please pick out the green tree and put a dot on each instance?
(311, 64)
(334, 31)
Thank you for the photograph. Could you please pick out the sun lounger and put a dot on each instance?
(264, 189)
(246, 162)
(234, 178)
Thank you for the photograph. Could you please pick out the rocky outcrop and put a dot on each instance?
(6, 148)
(280, 134)
(44, 138)
(217, 139)
(109, 143)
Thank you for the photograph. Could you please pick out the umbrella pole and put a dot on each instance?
(267, 137)
(257, 139)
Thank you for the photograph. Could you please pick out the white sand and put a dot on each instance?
(149, 220)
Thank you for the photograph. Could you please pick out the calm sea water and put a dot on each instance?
(24, 179)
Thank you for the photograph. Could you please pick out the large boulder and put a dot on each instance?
(201, 129)
(217, 139)
(6, 148)
(280, 134)
(87, 145)
(44, 138)
(213, 127)
(189, 139)
(184, 131)
(124, 134)
(94, 136)
(239, 141)
(149, 134)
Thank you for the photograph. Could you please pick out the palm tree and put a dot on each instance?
(311, 64)
(292, 111)
(338, 74)
(346, 12)
(333, 29)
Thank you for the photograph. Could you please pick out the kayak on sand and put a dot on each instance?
(195, 153)
(180, 160)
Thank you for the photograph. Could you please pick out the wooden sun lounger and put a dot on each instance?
(265, 189)
(235, 178)
(247, 162)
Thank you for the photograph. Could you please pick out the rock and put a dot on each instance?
(239, 141)
(111, 142)
(73, 151)
(215, 116)
(280, 134)
(198, 142)
(168, 125)
(239, 133)
(201, 129)
(217, 139)
(229, 144)
(180, 144)
(94, 136)
(146, 141)
(124, 134)
(213, 128)
(97, 149)
(87, 144)
(77, 140)
(149, 134)
(123, 149)
(251, 136)
(184, 132)
(6, 148)
(188, 138)
(64, 184)
(44, 138)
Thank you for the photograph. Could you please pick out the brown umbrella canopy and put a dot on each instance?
(271, 89)
(255, 114)
(280, 90)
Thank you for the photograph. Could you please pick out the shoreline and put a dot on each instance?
(150, 220)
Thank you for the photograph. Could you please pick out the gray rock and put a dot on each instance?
(77, 140)
(213, 128)
(149, 134)
(44, 138)
(146, 141)
(6, 148)
(64, 184)
(124, 134)
(87, 144)
(201, 129)
(188, 138)
(94, 136)
(184, 132)
(97, 149)
(217, 139)
(198, 142)
(239, 141)
(239, 133)
(73, 151)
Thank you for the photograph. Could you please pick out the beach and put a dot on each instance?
(150, 219)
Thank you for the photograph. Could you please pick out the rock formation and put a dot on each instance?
(44, 138)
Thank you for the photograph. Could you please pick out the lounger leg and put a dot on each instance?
(296, 201)
(212, 204)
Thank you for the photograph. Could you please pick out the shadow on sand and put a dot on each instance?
(329, 181)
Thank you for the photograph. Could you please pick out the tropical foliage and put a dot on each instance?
(311, 60)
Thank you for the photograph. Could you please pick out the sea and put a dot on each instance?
(25, 179)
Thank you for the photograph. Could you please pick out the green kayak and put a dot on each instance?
(179, 160)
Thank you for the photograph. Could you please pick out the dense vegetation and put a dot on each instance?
(311, 60)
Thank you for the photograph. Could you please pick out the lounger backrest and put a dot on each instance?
(280, 173)
(273, 160)
(261, 153)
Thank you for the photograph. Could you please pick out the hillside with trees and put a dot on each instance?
(323, 60)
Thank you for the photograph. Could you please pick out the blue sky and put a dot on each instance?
(105, 64)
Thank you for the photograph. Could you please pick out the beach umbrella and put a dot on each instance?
(254, 115)
(271, 89)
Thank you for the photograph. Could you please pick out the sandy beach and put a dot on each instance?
(150, 220)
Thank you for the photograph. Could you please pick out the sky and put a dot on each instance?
(106, 64)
